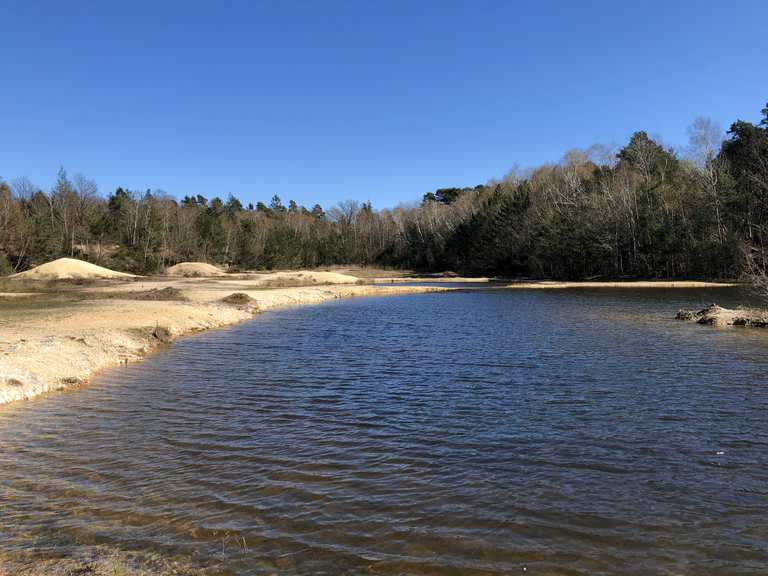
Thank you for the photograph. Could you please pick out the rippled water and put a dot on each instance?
(564, 432)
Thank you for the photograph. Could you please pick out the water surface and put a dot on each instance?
(492, 432)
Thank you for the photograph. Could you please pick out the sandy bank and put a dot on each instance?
(302, 277)
(550, 285)
(715, 315)
(436, 279)
(45, 348)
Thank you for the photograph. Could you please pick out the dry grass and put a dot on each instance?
(48, 301)
(24, 285)
(163, 294)
(369, 272)
(15, 285)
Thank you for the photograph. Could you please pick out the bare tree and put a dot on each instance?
(603, 154)
(23, 188)
(705, 136)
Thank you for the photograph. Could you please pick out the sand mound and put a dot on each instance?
(70, 269)
(194, 270)
(237, 299)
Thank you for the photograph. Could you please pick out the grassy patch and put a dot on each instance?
(39, 302)
(163, 294)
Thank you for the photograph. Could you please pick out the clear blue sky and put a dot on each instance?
(324, 101)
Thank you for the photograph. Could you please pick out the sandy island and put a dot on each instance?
(714, 315)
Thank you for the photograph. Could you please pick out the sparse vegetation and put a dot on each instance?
(157, 294)
(162, 334)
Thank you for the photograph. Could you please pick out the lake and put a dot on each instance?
(490, 432)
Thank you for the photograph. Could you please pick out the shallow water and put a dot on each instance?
(492, 432)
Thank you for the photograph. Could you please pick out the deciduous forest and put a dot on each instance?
(643, 211)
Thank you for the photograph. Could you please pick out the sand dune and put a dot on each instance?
(194, 270)
(70, 269)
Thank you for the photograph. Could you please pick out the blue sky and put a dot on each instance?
(322, 101)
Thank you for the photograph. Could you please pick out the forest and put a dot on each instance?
(643, 211)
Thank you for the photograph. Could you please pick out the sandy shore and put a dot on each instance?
(549, 285)
(51, 341)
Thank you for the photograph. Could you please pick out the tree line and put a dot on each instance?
(642, 211)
